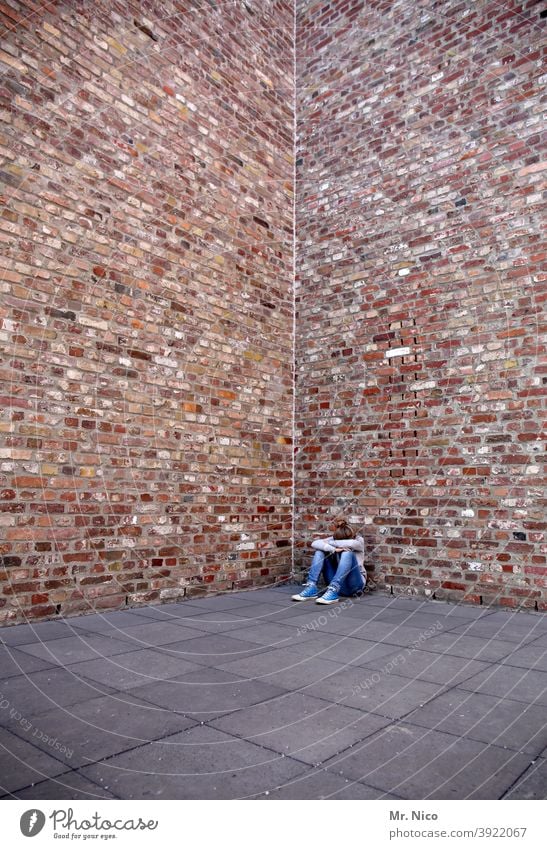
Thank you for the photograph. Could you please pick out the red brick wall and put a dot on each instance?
(146, 301)
(419, 289)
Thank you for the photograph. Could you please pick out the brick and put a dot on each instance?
(133, 323)
(418, 200)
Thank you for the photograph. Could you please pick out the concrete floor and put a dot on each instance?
(251, 695)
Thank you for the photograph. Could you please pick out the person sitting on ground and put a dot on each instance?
(340, 559)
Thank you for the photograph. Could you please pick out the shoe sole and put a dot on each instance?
(311, 598)
(334, 601)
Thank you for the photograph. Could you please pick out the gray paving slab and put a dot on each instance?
(212, 649)
(124, 671)
(271, 596)
(272, 661)
(426, 666)
(327, 620)
(422, 621)
(510, 629)
(305, 684)
(538, 621)
(168, 612)
(387, 695)
(105, 623)
(154, 633)
(377, 631)
(35, 693)
(206, 693)
(76, 648)
(255, 614)
(318, 784)
(201, 763)
(218, 622)
(69, 785)
(510, 682)
(344, 650)
(488, 719)
(540, 640)
(300, 726)
(418, 763)
(477, 648)
(532, 784)
(439, 608)
(15, 662)
(22, 763)
(213, 604)
(270, 634)
(89, 731)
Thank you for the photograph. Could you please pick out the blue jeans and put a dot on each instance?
(342, 575)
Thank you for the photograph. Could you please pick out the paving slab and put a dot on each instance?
(511, 629)
(536, 620)
(255, 614)
(106, 623)
(423, 621)
(201, 763)
(269, 665)
(15, 635)
(426, 666)
(15, 662)
(23, 764)
(320, 784)
(40, 691)
(539, 640)
(219, 622)
(76, 648)
(154, 633)
(206, 693)
(290, 687)
(167, 612)
(351, 626)
(532, 784)
(417, 763)
(69, 785)
(300, 726)
(89, 731)
(530, 656)
(510, 682)
(477, 648)
(441, 608)
(488, 719)
(387, 695)
(270, 634)
(124, 671)
(212, 649)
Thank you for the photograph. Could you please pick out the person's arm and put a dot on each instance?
(355, 544)
(323, 545)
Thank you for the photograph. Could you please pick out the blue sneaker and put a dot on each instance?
(330, 596)
(309, 591)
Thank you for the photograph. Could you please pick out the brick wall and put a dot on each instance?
(146, 301)
(419, 289)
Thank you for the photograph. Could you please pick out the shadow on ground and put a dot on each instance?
(251, 695)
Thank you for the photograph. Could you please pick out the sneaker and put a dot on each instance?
(328, 597)
(309, 591)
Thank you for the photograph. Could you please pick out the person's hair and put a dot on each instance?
(343, 530)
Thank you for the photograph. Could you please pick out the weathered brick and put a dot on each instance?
(412, 252)
(146, 302)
